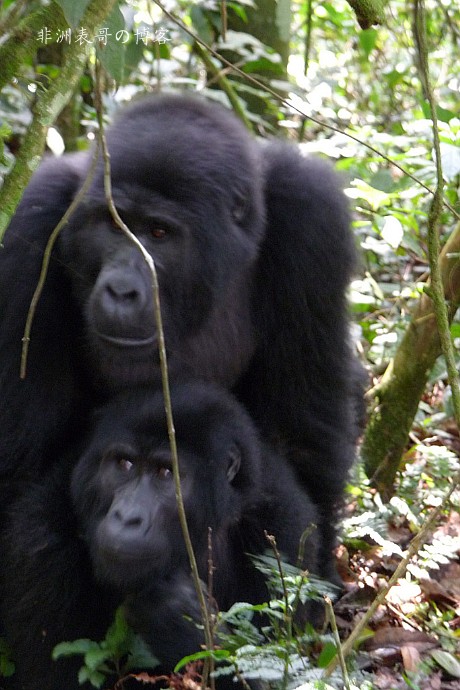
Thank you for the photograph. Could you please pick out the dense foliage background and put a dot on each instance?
(384, 103)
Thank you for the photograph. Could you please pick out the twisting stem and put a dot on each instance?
(163, 364)
(436, 291)
(45, 264)
(335, 633)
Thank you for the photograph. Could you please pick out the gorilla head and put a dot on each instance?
(234, 490)
(190, 188)
(124, 493)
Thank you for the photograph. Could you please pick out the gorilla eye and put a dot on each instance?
(164, 473)
(158, 233)
(239, 208)
(125, 465)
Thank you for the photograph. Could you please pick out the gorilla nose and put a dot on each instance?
(132, 520)
(121, 308)
(122, 293)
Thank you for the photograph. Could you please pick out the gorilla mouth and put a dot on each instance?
(124, 555)
(124, 341)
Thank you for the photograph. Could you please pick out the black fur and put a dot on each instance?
(254, 254)
(127, 529)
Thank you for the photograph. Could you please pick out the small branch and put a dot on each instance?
(45, 264)
(335, 633)
(224, 84)
(308, 35)
(223, 18)
(213, 617)
(287, 633)
(272, 541)
(211, 567)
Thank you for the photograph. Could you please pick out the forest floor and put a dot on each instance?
(420, 619)
(413, 640)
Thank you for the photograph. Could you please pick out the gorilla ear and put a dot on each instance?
(233, 462)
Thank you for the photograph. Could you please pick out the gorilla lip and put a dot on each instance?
(127, 342)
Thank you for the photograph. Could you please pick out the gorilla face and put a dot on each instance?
(139, 536)
(123, 487)
(190, 190)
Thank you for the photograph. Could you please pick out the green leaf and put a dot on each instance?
(374, 197)
(201, 24)
(336, 16)
(118, 632)
(95, 658)
(73, 10)
(328, 652)
(367, 40)
(6, 665)
(283, 19)
(392, 231)
(82, 646)
(94, 677)
(239, 11)
(111, 50)
(140, 655)
(216, 654)
(447, 661)
(133, 55)
(442, 114)
(382, 180)
(263, 64)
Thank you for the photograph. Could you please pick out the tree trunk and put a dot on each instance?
(397, 396)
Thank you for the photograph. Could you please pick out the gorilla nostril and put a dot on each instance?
(135, 521)
(121, 293)
(127, 521)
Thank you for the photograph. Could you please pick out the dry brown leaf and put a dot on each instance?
(411, 657)
(398, 637)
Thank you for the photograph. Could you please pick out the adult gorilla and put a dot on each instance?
(254, 254)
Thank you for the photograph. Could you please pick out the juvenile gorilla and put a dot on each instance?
(254, 254)
(63, 577)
